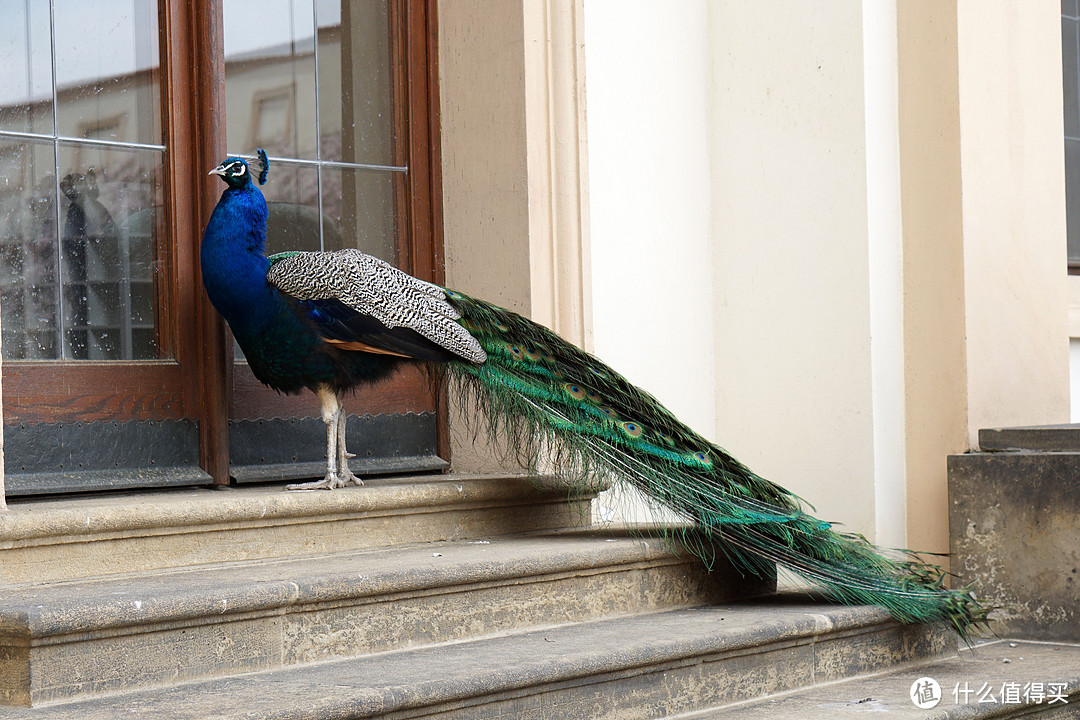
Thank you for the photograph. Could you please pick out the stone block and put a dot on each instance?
(1014, 526)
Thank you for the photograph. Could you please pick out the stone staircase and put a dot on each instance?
(439, 596)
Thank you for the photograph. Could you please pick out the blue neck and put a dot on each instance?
(233, 256)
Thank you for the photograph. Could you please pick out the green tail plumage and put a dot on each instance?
(549, 396)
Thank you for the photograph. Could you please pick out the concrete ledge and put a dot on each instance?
(47, 540)
(168, 626)
(638, 667)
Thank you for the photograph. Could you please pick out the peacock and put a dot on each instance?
(333, 322)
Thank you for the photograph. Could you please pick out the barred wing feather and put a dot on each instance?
(375, 289)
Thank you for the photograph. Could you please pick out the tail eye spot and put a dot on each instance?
(575, 391)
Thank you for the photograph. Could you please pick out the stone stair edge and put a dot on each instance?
(39, 519)
(71, 606)
(537, 660)
(1064, 439)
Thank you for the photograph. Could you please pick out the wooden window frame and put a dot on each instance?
(195, 383)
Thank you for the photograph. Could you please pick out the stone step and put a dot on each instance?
(637, 667)
(1040, 438)
(81, 638)
(1001, 679)
(42, 540)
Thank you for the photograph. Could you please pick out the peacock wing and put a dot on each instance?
(361, 302)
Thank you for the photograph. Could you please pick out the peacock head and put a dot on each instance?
(236, 173)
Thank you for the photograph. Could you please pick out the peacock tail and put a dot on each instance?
(552, 398)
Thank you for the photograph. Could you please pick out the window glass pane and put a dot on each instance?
(270, 77)
(292, 196)
(108, 200)
(355, 100)
(1072, 198)
(100, 306)
(79, 230)
(106, 60)
(358, 205)
(29, 294)
(26, 82)
(327, 106)
(1070, 76)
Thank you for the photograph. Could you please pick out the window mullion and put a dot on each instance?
(59, 285)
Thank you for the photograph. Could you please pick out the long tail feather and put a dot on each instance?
(548, 396)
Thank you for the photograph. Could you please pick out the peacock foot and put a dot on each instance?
(327, 483)
(347, 478)
(332, 481)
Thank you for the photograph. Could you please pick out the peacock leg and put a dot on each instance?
(344, 473)
(333, 416)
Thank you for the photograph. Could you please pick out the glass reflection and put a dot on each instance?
(78, 220)
(29, 293)
(87, 291)
(270, 77)
(107, 205)
(292, 197)
(360, 203)
(328, 105)
(106, 60)
(26, 83)
(355, 101)
(276, 76)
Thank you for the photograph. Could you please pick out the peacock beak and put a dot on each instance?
(219, 170)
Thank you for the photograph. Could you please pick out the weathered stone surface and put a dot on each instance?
(843, 655)
(1039, 438)
(47, 540)
(88, 637)
(1014, 526)
(637, 667)
(996, 665)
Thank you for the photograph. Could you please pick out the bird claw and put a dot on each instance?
(347, 478)
(330, 482)
(327, 483)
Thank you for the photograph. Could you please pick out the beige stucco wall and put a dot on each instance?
(985, 304)
(935, 355)
(792, 269)
(484, 173)
(484, 163)
(832, 240)
(512, 100)
(1012, 164)
(652, 279)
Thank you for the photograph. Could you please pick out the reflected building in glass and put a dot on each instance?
(81, 155)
